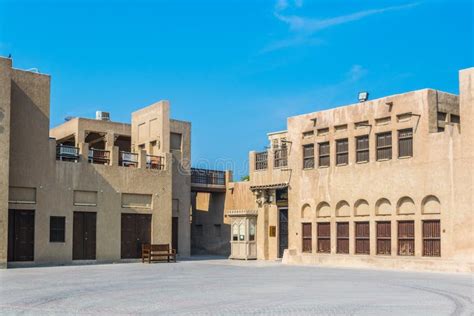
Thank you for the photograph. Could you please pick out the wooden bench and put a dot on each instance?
(152, 253)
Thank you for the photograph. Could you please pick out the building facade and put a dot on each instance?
(87, 190)
(382, 183)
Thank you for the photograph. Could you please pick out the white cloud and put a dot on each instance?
(281, 5)
(311, 25)
(356, 72)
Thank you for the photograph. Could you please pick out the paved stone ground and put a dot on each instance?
(222, 287)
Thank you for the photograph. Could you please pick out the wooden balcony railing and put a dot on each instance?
(67, 153)
(155, 162)
(207, 177)
(128, 159)
(99, 156)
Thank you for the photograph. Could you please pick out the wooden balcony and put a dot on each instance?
(128, 159)
(205, 180)
(67, 153)
(99, 156)
(155, 162)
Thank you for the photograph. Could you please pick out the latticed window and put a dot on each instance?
(324, 237)
(362, 238)
(261, 160)
(307, 238)
(384, 242)
(324, 154)
(342, 238)
(308, 156)
(431, 238)
(57, 228)
(406, 238)
(342, 151)
(384, 146)
(405, 143)
(362, 148)
(281, 157)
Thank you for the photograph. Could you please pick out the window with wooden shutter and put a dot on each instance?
(57, 228)
(307, 238)
(324, 237)
(308, 156)
(261, 160)
(405, 143)
(324, 154)
(342, 152)
(384, 146)
(432, 238)
(342, 245)
(406, 238)
(384, 241)
(362, 238)
(362, 148)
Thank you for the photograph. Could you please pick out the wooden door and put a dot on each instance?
(307, 237)
(282, 232)
(84, 236)
(21, 235)
(136, 230)
(174, 233)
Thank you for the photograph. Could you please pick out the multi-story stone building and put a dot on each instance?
(383, 183)
(88, 190)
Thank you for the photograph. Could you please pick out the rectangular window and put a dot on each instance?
(57, 228)
(342, 238)
(324, 158)
(261, 160)
(405, 143)
(235, 232)
(175, 141)
(432, 238)
(308, 134)
(342, 151)
(384, 146)
(456, 119)
(307, 240)
(323, 131)
(308, 156)
(362, 238)
(384, 242)
(324, 237)
(362, 148)
(406, 238)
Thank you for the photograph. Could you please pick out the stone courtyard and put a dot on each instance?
(222, 287)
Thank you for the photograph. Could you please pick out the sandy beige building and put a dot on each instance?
(381, 183)
(89, 190)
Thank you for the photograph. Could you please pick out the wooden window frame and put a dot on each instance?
(431, 238)
(308, 159)
(384, 238)
(383, 147)
(57, 235)
(340, 237)
(323, 156)
(401, 138)
(342, 154)
(361, 238)
(323, 237)
(361, 151)
(404, 239)
(306, 238)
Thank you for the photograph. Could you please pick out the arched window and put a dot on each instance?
(306, 211)
(361, 208)
(383, 207)
(235, 232)
(343, 209)
(406, 205)
(323, 210)
(431, 205)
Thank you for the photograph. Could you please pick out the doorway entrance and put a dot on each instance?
(84, 236)
(136, 230)
(21, 235)
(282, 231)
(174, 233)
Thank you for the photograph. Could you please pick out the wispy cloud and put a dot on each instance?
(304, 28)
(356, 73)
(311, 25)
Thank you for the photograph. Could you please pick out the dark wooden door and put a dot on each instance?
(174, 234)
(307, 237)
(282, 231)
(21, 235)
(84, 236)
(136, 230)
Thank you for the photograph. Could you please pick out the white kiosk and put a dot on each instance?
(243, 237)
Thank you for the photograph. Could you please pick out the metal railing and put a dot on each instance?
(67, 153)
(280, 158)
(99, 156)
(155, 162)
(261, 160)
(128, 159)
(207, 177)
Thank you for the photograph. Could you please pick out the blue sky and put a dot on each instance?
(235, 69)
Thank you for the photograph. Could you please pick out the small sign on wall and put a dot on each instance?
(272, 231)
